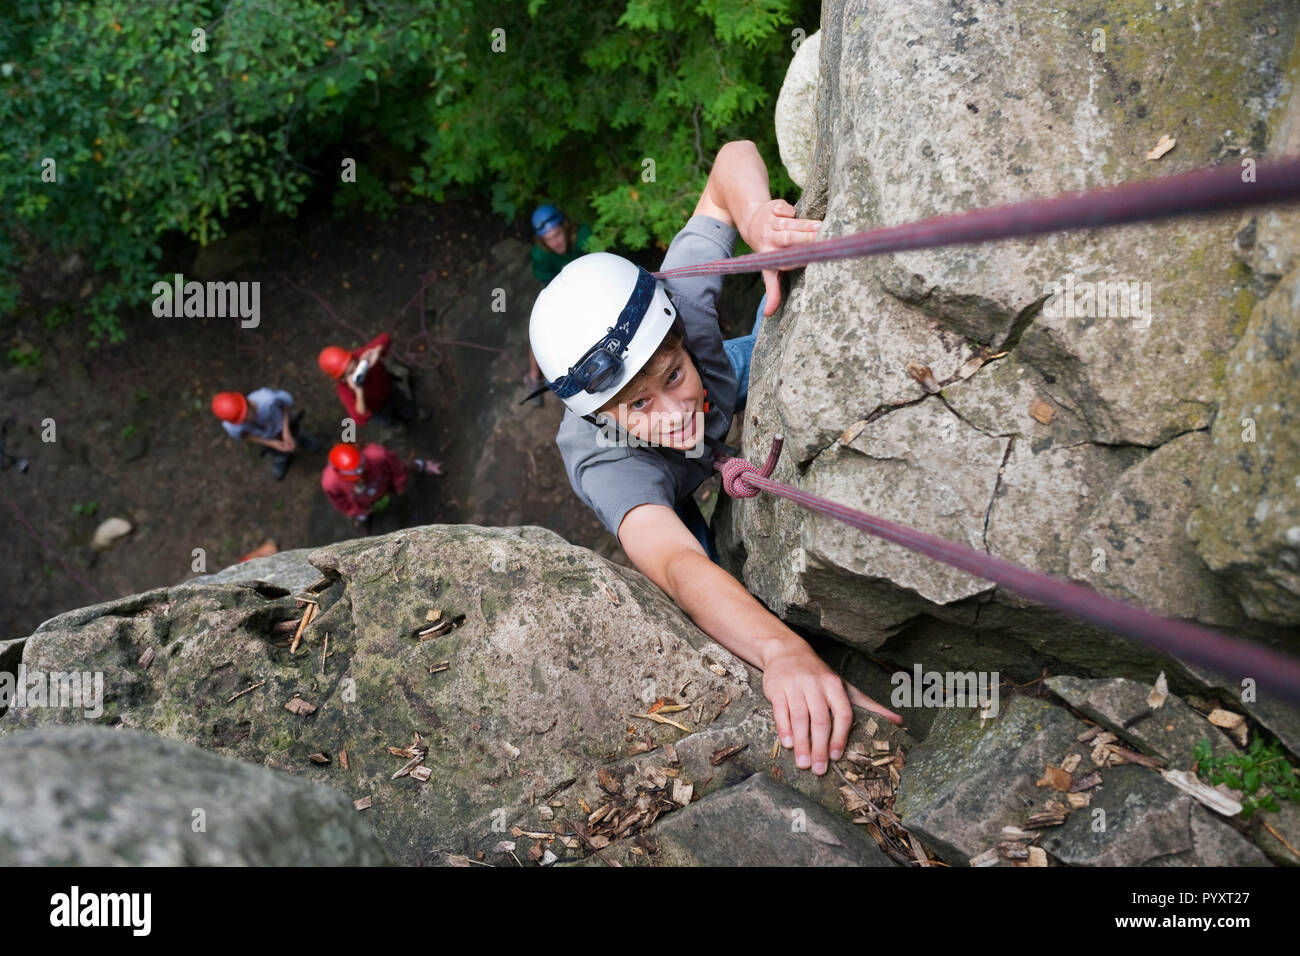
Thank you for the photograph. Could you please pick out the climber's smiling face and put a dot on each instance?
(666, 406)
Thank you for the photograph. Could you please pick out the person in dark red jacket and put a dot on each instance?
(374, 397)
(358, 481)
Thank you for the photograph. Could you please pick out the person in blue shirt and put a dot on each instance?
(262, 417)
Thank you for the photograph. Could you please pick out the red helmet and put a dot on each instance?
(346, 460)
(230, 407)
(333, 361)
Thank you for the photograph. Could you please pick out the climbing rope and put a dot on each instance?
(1226, 655)
(1194, 193)
(1187, 194)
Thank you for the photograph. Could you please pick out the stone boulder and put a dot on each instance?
(91, 796)
(530, 700)
(1069, 440)
(970, 780)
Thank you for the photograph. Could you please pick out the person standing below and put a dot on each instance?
(557, 241)
(262, 417)
(361, 481)
(364, 384)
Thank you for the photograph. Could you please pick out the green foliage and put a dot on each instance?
(151, 133)
(1261, 774)
(583, 95)
(85, 509)
(129, 431)
(153, 128)
(28, 355)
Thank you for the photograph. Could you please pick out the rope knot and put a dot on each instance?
(733, 482)
(734, 470)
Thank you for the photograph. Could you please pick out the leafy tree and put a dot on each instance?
(173, 117)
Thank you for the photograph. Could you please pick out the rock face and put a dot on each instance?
(966, 783)
(778, 825)
(796, 110)
(1078, 441)
(91, 796)
(556, 650)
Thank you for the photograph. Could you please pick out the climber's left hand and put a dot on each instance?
(771, 225)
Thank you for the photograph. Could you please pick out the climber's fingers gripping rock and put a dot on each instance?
(771, 225)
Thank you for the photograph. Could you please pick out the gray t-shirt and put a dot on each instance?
(265, 414)
(613, 481)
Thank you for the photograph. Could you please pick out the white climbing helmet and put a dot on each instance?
(595, 325)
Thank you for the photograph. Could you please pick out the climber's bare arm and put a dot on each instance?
(737, 194)
(810, 703)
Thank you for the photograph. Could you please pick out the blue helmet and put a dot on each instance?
(546, 218)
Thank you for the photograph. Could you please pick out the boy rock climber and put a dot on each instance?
(357, 481)
(373, 396)
(614, 342)
(263, 417)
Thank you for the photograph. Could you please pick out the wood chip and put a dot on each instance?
(670, 753)
(307, 616)
(608, 591)
(1225, 718)
(852, 432)
(880, 746)
(607, 781)
(296, 705)
(1216, 800)
(726, 753)
(510, 750)
(343, 759)
(987, 858)
(319, 758)
(1077, 800)
(872, 726)
(146, 659)
(1015, 833)
(260, 683)
(1100, 755)
(599, 814)
(362, 804)
(1046, 818)
(1162, 146)
(1037, 856)
(1086, 782)
(682, 792)
(853, 801)
(923, 375)
(1056, 778)
(286, 627)
(1071, 762)
(918, 851)
(433, 615)
(421, 773)
(1088, 734)
(439, 667)
(1013, 851)
(1159, 693)
(437, 630)
(1040, 411)
(662, 720)
(1133, 756)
